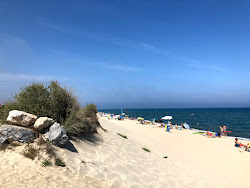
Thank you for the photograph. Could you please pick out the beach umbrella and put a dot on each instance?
(186, 126)
(167, 118)
(140, 118)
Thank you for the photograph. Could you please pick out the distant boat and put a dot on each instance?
(191, 114)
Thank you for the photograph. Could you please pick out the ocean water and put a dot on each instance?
(236, 119)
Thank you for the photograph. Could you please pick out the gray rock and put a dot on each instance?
(3, 141)
(43, 122)
(17, 133)
(21, 118)
(57, 135)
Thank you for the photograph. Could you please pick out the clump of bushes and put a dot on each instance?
(47, 100)
(84, 121)
(53, 101)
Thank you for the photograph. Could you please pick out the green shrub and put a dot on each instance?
(146, 149)
(53, 101)
(59, 162)
(88, 111)
(46, 100)
(122, 135)
(78, 125)
(46, 162)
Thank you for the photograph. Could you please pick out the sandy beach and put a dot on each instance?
(210, 161)
(106, 159)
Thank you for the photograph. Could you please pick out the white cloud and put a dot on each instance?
(113, 40)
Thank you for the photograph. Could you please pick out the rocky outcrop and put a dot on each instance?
(57, 135)
(17, 133)
(21, 118)
(43, 122)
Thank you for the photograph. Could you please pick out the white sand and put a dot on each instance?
(214, 161)
(108, 160)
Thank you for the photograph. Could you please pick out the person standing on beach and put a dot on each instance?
(221, 130)
(225, 130)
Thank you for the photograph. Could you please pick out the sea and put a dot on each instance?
(236, 119)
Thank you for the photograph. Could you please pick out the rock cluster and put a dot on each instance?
(43, 122)
(22, 124)
(20, 118)
(57, 135)
(17, 133)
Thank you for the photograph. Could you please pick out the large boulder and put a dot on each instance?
(57, 135)
(43, 122)
(17, 133)
(21, 118)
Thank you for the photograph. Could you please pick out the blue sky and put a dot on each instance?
(130, 54)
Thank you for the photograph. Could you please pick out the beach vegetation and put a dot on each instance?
(40, 141)
(84, 121)
(48, 148)
(44, 100)
(56, 102)
(14, 144)
(30, 152)
(146, 149)
(59, 162)
(46, 162)
(122, 135)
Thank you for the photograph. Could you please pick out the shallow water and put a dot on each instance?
(236, 119)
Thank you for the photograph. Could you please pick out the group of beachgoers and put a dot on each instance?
(223, 132)
(242, 146)
(223, 128)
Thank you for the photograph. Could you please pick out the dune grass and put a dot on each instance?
(30, 152)
(146, 149)
(46, 162)
(59, 162)
(122, 135)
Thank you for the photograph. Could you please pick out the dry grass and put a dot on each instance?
(40, 141)
(30, 152)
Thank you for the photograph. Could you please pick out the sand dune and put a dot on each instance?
(108, 160)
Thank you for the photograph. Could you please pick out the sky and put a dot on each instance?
(130, 54)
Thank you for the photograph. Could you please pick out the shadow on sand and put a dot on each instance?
(69, 146)
(93, 139)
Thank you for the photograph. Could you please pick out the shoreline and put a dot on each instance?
(199, 121)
